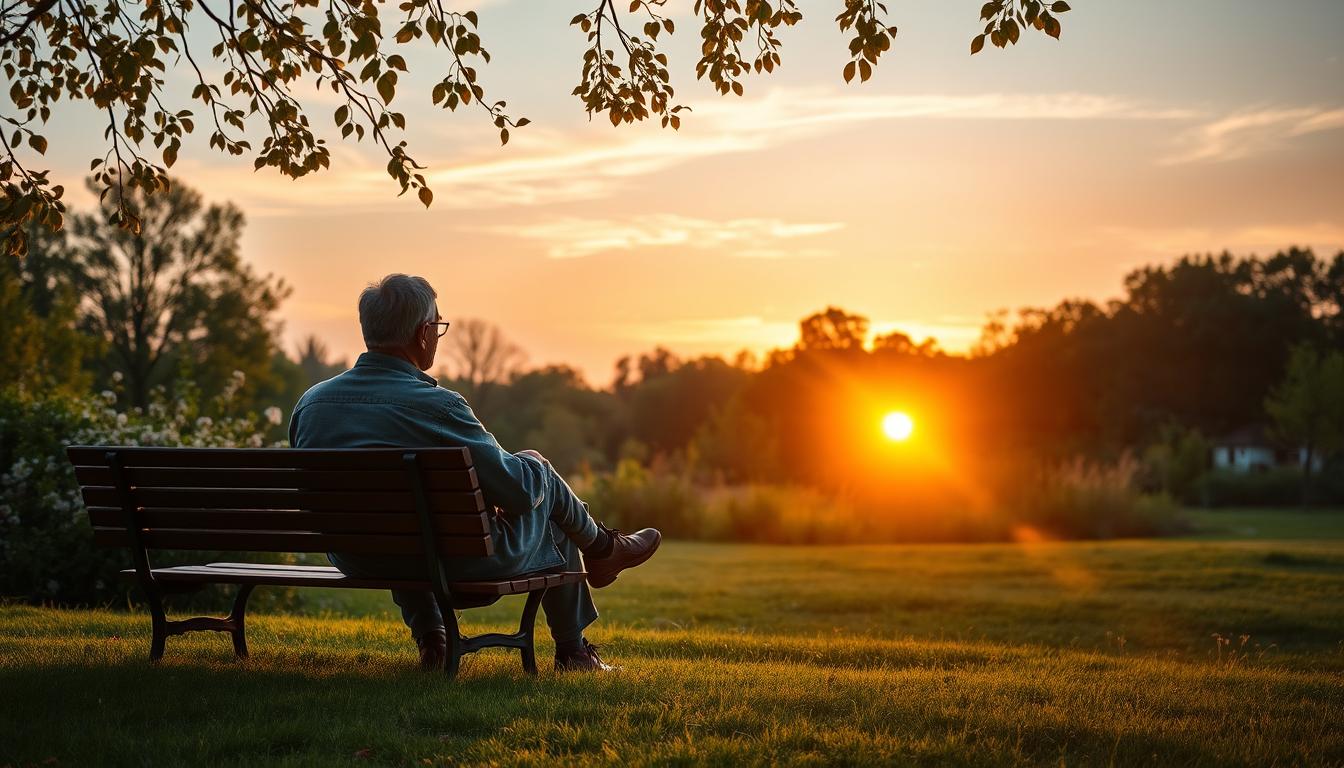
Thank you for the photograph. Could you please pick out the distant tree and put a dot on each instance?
(660, 362)
(552, 410)
(113, 54)
(994, 334)
(480, 356)
(674, 398)
(313, 361)
(41, 346)
(623, 376)
(1307, 407)
(176, 296)
(737, 444)
(833, 328)
(1174, 348)
(901, 344)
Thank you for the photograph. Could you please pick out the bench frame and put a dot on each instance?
(156, 585)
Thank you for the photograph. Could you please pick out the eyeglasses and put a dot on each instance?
(440, 327)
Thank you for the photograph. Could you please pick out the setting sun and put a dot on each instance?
(898, 426)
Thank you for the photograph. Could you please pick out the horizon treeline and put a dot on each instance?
(1195, 346)
(1198, 344)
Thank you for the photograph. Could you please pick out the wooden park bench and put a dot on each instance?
(422, 503)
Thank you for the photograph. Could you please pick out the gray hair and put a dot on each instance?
(392, 309)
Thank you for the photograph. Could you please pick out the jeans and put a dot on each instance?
(569, 608)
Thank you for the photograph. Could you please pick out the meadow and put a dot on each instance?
(1225, 647)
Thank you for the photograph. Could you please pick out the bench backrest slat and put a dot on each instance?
(293, 541)
(472, 502)
(272, 458)
(313, 479)
(273, 520)
(358, 501)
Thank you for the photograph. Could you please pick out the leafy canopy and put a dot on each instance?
(116, 53)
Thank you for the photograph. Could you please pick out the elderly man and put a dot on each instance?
(387, 400)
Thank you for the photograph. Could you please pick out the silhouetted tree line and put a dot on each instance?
(1194, 347)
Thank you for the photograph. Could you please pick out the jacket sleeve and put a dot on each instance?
(515, 484)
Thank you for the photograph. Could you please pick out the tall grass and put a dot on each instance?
(1082, 499)
(1071, 500)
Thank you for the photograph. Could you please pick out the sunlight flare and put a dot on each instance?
(898, 426)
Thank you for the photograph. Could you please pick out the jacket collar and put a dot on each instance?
(380, 360)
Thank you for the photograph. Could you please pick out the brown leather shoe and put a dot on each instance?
(585, 660)
(627, 551)
(433, 649)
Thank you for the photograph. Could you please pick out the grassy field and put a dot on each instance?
(1224, 648)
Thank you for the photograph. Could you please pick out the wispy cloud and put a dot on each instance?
(572, 237)
(547, 165)
(557, 167)
(1252, 132)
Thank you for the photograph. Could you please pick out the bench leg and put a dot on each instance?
(158, 630)
(158, 619)
(238, 617)
(458, 646)
(525, 631)
(162, 628)
(453, 658)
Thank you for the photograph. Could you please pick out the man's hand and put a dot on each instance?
(534, 454)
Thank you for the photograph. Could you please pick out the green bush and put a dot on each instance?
(46, 543)
(1276, 486)
(633, 496)
(780, 515)
(1175, 463)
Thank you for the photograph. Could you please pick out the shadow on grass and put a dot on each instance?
(684, 697)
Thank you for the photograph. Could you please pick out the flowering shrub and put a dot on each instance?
(46, 543)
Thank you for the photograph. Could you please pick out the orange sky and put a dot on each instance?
(946, 187)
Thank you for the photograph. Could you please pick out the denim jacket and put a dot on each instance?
(384, 401)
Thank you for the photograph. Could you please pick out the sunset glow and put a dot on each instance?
(879, 196)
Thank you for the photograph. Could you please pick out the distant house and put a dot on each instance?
(1250, 449)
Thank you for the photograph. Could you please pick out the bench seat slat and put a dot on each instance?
(295, 541)
(316, 501)
(309, 479)
(257, 458)
(323, 576)
(374, 522)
